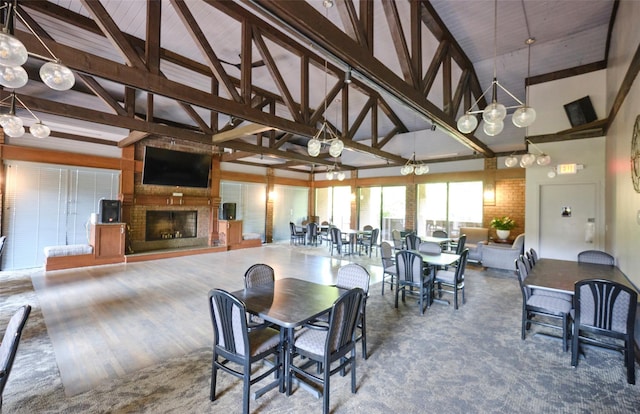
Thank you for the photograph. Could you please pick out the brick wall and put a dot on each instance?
(510, 201)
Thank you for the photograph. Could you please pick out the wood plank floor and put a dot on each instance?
(107, 321)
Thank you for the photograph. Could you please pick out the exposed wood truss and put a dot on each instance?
(281, 120)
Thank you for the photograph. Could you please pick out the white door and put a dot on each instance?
(565, 211)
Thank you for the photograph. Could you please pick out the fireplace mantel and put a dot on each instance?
(170, 200)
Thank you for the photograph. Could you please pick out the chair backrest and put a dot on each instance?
(352, 276)
(368, 227)
(522, 273)
(596, 256)
(397, 239)
(374, 236)
(259, 274)
(462, 264)
(3, 240)
(292, 228)
(430, 248)
(312, 229)
(386, 252)
(10, 343)
(228, 315)
(343, 321)
(527, 261)
(336, 236)
(606, 305)
(462, 240)
(409, 266)
(413, 241)
(534, 255)
(440, 233)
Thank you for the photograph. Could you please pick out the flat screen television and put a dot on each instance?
(175, 168)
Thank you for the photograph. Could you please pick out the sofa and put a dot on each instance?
(499, 256)
(477, 237)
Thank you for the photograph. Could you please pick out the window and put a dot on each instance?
(384, 208)
(291, 204)
(449, 206)
(50, 205)
(333, 204)
(251, 206)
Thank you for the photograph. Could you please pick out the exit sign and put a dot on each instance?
(567, 168)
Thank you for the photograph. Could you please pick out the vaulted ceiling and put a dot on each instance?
(258, 78)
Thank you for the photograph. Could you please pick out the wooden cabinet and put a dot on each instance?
(108, 241)
(230, 232)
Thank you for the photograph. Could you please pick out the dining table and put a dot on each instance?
(561, 275)
(289, 303)
(436, 261)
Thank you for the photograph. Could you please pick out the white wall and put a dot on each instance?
(622, 201)
(587, 152)
(549, 99)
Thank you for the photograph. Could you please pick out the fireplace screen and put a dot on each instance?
(171, 225)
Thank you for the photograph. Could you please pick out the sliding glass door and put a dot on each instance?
(449, 206)
(383, 208)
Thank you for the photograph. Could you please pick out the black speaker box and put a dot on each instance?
(109, 211)
(228, 211)
(580, 112)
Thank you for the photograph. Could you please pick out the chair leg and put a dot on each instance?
(245, 390)
(364, 336)
(565, 333)
(524, 321)
(353, 371)
(575, 345)
(325, 389)
(214, 372)
(630, 360)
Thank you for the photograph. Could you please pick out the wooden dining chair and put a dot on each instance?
(604, 308)
(352, 276)
(410, 271)
(326, 345)
(10, 342)
(534, 304)
(234, 343)
(596, 257)
(389, 271)
(412, 241)
(452, 281)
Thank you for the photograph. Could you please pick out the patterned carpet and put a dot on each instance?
(467, 361)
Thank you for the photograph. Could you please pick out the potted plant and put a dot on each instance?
(503, 226)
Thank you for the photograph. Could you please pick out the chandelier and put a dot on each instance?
(494, 114)
(13, 126)
(528, 159)
(335, 171)
(13, 54)
(325, 135)
(413, 166)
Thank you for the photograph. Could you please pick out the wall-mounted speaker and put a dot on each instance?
(228, 211)
(580, 112)
(109, 211)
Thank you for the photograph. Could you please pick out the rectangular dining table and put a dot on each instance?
(288, 303)
(561, 275)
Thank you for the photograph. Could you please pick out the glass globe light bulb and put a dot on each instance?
(327, 4)
(14, 132)
(12, 51)
(10, 121)
(493, 129)
(543, 159)
(467, 123)
(527, 160)
(39, 130)
(57, 76)
(523, 116)
(421, 169)
(341, 175)
(313, 147)
(511, 161)
(13, 77)
(336, 148)
(494, 112)
(329, 175)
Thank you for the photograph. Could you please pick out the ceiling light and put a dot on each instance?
(13, 54)
(13, 125)
(494, 114)
(347, 76)
(413, 166)
(527, 160)
(333, 171)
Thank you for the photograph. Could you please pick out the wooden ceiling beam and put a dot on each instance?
(240, 131)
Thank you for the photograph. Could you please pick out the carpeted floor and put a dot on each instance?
(467, 361)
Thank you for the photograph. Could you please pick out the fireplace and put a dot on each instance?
(162, 225)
